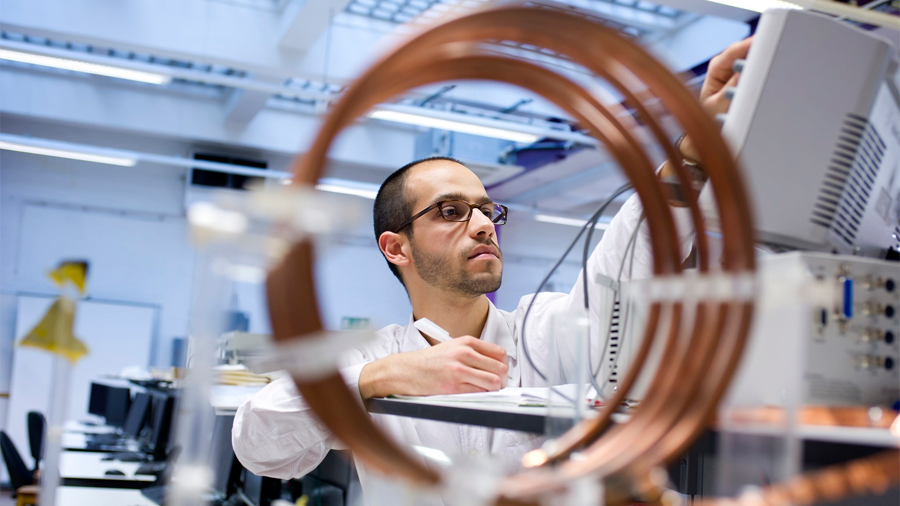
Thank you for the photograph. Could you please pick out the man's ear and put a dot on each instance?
(392, 245)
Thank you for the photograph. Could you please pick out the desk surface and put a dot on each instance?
(79, 427)
(91, 466)
(81, 496)
(530, 419)
(484, 414)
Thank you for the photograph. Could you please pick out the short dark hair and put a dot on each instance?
(393, 204)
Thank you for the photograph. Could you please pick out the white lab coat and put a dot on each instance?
(276, 434)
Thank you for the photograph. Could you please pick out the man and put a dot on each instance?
(435, 226)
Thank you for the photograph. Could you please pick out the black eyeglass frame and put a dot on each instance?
(440, 206)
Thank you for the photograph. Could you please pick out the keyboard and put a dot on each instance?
(152, 468)
(131, 457)
(99, 439)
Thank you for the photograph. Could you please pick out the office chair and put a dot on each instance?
(37, 425)
(20, 477)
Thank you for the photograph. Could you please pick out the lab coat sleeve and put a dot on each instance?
(556, 356)
(276, 433)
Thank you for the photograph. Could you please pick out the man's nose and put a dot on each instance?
(480, 224)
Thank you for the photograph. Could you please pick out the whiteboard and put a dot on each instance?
(116, 334)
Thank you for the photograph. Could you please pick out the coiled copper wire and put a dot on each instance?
(701, 355)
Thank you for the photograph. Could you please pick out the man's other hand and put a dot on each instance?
(461, 365)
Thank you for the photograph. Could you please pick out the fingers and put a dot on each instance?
(489, 349)
(466, 388)
(721, 68)
(485, 363)
(733, 80)
(481, 379)
(723, 64)
(736, 51)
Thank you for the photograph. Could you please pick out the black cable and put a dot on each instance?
(590, 223)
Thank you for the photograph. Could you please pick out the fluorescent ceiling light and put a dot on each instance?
(347, 187)
(64, 153)
(80, 66)
(572, 222)
(757, 5)
(430, 121)
(841, 10)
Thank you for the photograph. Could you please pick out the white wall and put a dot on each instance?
(128, 223)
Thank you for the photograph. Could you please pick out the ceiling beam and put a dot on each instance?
(304, 21)
(243, 105)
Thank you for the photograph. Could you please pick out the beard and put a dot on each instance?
(440, 271)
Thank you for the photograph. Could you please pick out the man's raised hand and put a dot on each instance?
(720, 75)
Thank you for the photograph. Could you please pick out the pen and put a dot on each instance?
(432, 329)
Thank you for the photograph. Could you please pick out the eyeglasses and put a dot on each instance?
(460, 210)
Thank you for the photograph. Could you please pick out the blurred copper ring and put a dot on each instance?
(672, 413)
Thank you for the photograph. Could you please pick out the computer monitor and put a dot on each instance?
(97, 400)
(222, 459)
(161, 424)
(137, 414)
(118, 400)
(252, 488)
(258, 490)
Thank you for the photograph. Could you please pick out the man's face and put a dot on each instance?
(463, 257)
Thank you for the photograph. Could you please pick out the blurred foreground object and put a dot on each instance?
(704, 335)
(55, 333)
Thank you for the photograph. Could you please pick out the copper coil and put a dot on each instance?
(674, 411)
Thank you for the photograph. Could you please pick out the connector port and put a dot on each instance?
(847, 292)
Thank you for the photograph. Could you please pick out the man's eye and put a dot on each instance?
(449, 211)
(488, 211)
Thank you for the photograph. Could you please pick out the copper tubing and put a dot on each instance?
(621, 62)
(637, 368)
(744, 319)
(629, 162)
(835, 416)
(645, 347)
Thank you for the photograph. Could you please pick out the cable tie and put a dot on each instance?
(695, 287)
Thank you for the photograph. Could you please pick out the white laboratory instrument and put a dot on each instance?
(815, 124)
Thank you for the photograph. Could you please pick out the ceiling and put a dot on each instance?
(255, 77)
